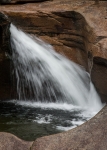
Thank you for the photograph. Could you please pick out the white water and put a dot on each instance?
(46, 76)
(76, 115)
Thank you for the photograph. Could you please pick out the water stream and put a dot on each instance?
(53, 93)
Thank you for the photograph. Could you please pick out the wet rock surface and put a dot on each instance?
(5, 79)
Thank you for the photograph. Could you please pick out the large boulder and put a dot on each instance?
(91, 135)
(11, 142)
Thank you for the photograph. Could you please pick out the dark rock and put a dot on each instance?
(96, 1)
(5, 78)
(5, 1)
(20, 1)
(99, 76)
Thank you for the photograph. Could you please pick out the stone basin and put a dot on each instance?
(77, 29)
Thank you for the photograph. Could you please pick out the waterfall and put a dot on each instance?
(46, 76)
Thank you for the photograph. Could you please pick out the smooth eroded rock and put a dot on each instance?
(11, 142)
(92, 135)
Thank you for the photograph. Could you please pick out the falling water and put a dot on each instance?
(46, 76)
(53, 93)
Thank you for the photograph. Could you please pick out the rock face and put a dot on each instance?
(91, 135)
(11, 142)
(99, 76)
(75, 28)
(68, 39)
(96, 1)
(5, 78)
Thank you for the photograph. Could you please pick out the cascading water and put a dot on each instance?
(46, 76)
(54, 93)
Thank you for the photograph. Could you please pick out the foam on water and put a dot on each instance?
(45, 76)
(79, 114)
(59, 106)
(74, 123)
